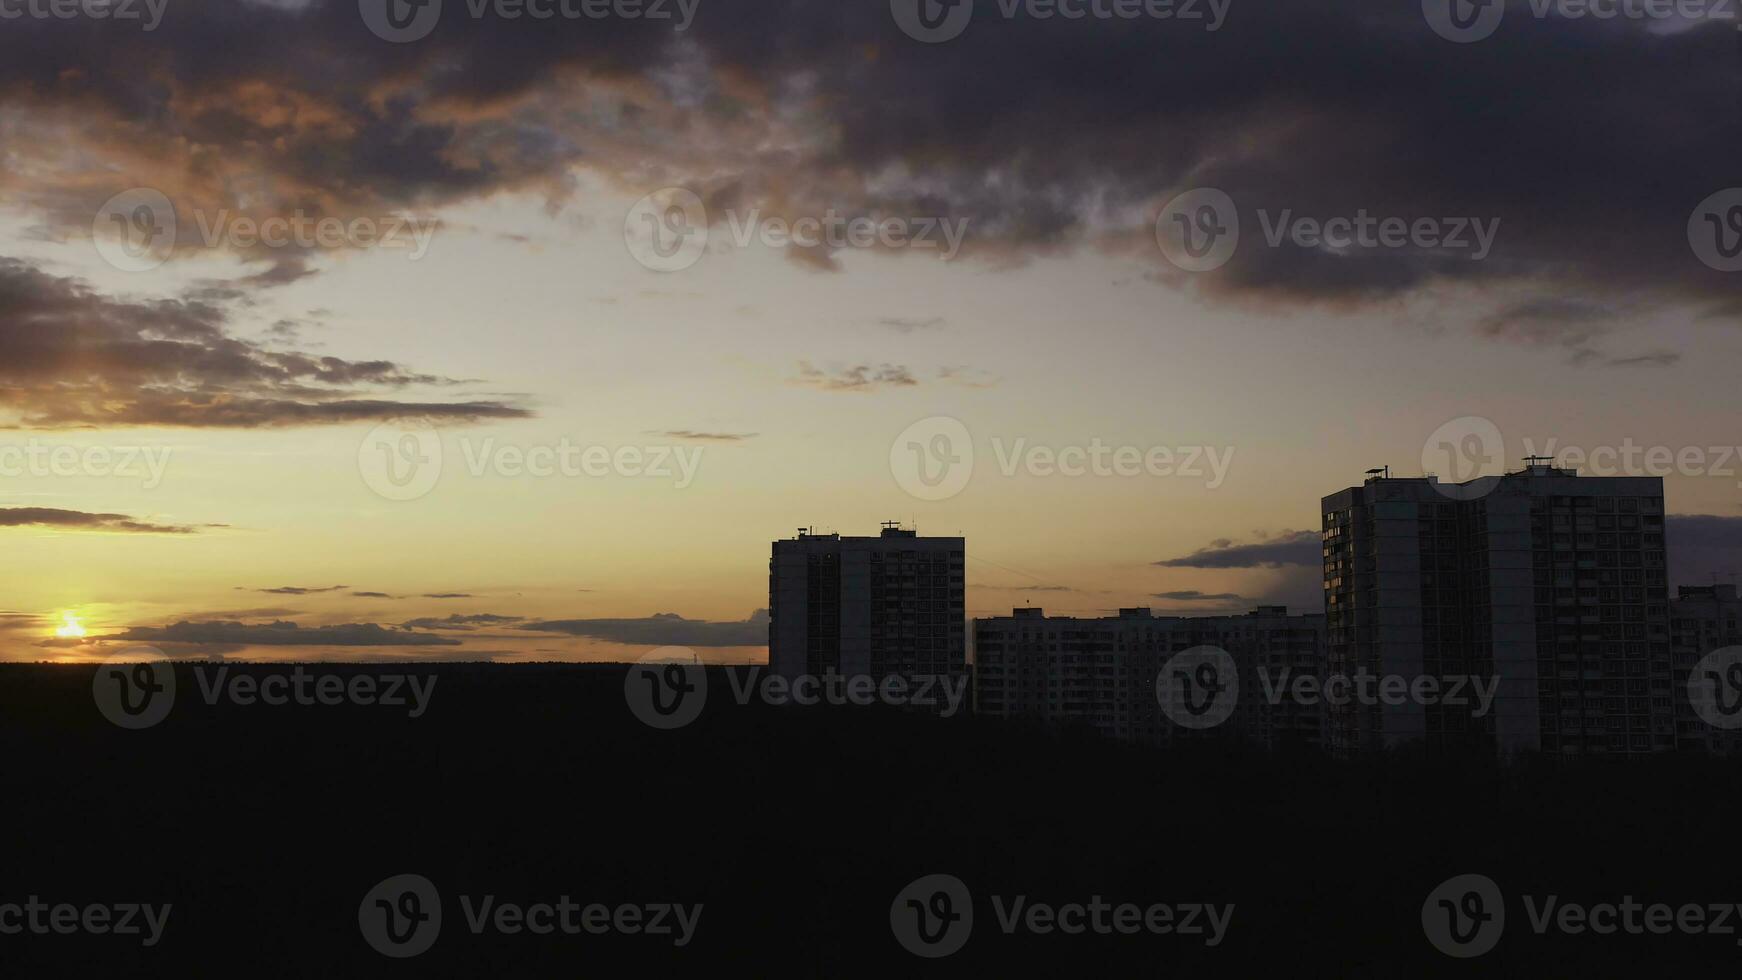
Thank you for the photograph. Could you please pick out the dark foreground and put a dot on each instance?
(264, 828)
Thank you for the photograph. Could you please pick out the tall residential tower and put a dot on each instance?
(892, 604)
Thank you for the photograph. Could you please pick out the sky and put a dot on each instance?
(554, 372)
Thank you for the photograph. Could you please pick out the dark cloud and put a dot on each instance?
(283, 634)
(664, 629)
(1193, 595)
(864, 377)
(448, 595)
(693, 436)
(300, 590)
(1590, 140)
(462, 622)
(370, 595)
(74, 520)
(1286, 548)
(72, 357)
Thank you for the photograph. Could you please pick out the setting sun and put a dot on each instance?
(70, 627)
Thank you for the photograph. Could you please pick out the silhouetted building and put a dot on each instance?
(1703, 619)
(1553, 582)
(892, 604)
(1101, 673)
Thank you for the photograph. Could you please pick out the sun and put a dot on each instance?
(70, 628)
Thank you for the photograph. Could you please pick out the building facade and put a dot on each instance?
(1101, 673)
(1551, 584)
(1703, 620)
(852, 606)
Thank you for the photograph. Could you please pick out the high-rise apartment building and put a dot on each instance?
(1704, 620)
(1552, 583)
(888, 605)
(1101, 673)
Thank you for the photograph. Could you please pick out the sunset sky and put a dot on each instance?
(259, 378)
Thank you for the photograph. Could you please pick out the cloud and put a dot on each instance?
(74, 520)
(1193, 595)
(1286, 548)
(693, 436)
(462, 622)
(299, 590)
(864, 377)
(1047, 134)
(70, 357)
(664, 629)
(370, 595)
(911, 324)
(448, 595)
(283, 634)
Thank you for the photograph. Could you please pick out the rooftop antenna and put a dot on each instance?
(1538, 460)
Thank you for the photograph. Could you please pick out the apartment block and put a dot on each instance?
(1703, 620)
(1101, 673)
(867, 606)
(1550, 582)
